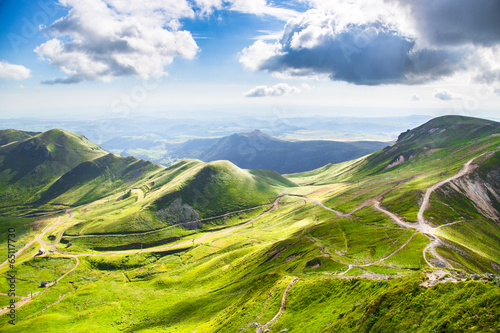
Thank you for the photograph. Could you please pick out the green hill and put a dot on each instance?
(11, 135)
(220, 187)
(204, 189)
(399, 175)
(98, 178)
(29, 166)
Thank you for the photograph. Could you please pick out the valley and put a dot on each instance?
(405, 237)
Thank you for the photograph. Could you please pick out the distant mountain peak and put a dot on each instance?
(254, 133)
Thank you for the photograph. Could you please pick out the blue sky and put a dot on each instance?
(185, 57)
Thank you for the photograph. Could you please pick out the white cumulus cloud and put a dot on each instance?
(446, 95)
(105, 39)
(10, 71)
(261, 7)
(279, 89)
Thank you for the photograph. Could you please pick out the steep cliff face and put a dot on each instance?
(466, 215)
(482, 194)
(473, 196)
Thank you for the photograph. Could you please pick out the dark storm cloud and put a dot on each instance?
(361, 54)
(456, 22)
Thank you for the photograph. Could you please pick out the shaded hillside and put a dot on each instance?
(12, 135)
(29, 165)
(98, 178)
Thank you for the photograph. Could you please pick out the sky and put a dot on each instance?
(190, 58)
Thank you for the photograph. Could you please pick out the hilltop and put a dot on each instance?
(58, 170)
(30, 163)
(11, 135)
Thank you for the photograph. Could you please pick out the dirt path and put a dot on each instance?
(393, 253)
(432, 248)
(27, 299)
(187, 242)
(448, 224)
(395, 218)
(141, 233)
(281, 310)
(319, 203)
(428, 230)
(51, 226)
(425, 204)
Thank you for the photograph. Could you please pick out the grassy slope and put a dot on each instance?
(212, 189)
(231, 280)
(29, 166)
(438, 149)
(227, 282)
(11, 135)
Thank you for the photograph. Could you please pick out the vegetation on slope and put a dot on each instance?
(28, 166)
(220, 187)
(358, 268)
(11, 135)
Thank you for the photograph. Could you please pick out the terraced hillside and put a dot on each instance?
(405, 239)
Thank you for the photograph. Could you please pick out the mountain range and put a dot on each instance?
(403, 239)
(256, 150)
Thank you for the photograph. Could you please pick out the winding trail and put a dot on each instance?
(425, 204)
(281, 310)
(51, 226)
(427, 229)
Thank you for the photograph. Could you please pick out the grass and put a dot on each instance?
(227, 279)
(32, 272)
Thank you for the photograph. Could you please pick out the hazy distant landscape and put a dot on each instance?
(166, 141)
(263, 166)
